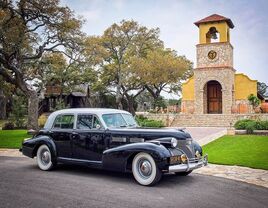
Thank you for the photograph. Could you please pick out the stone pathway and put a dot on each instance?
(249, 175)
(11, 153)
(204, 135)
(244, 174)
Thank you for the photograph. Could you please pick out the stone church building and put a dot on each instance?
(215, 87)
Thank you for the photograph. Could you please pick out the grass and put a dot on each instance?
(242, 150)
(12, 138)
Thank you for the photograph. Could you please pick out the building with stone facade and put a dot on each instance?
(215, 87)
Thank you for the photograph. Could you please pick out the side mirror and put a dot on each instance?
(98, 126)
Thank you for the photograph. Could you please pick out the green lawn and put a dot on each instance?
(243, 150)
(12, 138)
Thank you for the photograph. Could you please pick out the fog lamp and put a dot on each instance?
(197, 154)
(184, 158)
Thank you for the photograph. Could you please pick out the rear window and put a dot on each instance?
(64, 122)
(87, 122)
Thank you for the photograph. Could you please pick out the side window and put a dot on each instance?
(64, 122)
(96, 123)
(84, 121)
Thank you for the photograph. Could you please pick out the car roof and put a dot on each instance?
(97, 111)
(90, 110)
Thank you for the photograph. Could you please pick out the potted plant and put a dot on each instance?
(255, 102)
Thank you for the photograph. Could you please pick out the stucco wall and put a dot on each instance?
(244, 86)
(221, 27)
(188, 89)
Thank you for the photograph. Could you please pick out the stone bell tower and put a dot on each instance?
(214, 74)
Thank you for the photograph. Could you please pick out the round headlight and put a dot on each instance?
(174, 142)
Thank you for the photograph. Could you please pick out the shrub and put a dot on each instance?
(140, 118)
(145, 122)
(8, 126)
(241, 124)
(254, 100)
(251, 125)
(264, 125)
(42, 120)
(152, 123)
(19, 110)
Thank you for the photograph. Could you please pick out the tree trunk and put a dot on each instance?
(2, 105)
(130, 103)
(131, 106)
(32, 110)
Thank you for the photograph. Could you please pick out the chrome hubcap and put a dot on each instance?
(45, 157)
(144, 168)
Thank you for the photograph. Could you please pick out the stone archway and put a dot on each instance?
(212, 97)
(224, 78)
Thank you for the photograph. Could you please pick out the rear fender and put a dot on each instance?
(117, 158)
(37, 141)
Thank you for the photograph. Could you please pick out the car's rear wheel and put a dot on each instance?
(44, 159)
(145, 170)
(183, 173)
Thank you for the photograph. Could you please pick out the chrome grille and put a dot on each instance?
(187, 147)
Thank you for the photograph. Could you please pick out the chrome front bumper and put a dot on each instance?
(191, 165)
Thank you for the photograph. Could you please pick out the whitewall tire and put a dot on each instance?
(144, 169)
(44, 159)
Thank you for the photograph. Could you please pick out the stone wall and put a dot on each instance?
(225, 76)
(203, 120)
(187, 106)
(219, 69)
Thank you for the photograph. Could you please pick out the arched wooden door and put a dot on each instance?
(214, 97)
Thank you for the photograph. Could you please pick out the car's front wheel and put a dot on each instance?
(145, 170)
(44, 159)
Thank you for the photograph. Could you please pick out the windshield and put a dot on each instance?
(119, 120)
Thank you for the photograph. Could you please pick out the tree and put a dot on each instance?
(162, 70)
(124, 41)
(29, 29)
(262, 88)
(6, 91)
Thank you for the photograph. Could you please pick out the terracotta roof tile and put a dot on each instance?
(215, 18)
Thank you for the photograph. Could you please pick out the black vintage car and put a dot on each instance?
(111, 139)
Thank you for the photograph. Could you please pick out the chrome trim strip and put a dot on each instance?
(134, 139)
(79, 160)
(119, 139)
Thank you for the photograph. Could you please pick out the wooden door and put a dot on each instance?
(214, 96)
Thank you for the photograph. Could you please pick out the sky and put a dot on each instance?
(175, 19)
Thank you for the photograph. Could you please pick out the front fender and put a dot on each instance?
(197, 147)
(117, 158)
(30, 146)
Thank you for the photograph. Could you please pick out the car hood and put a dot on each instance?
(151, 133)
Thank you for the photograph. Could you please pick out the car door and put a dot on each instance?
(88, 143)
(61, 133)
